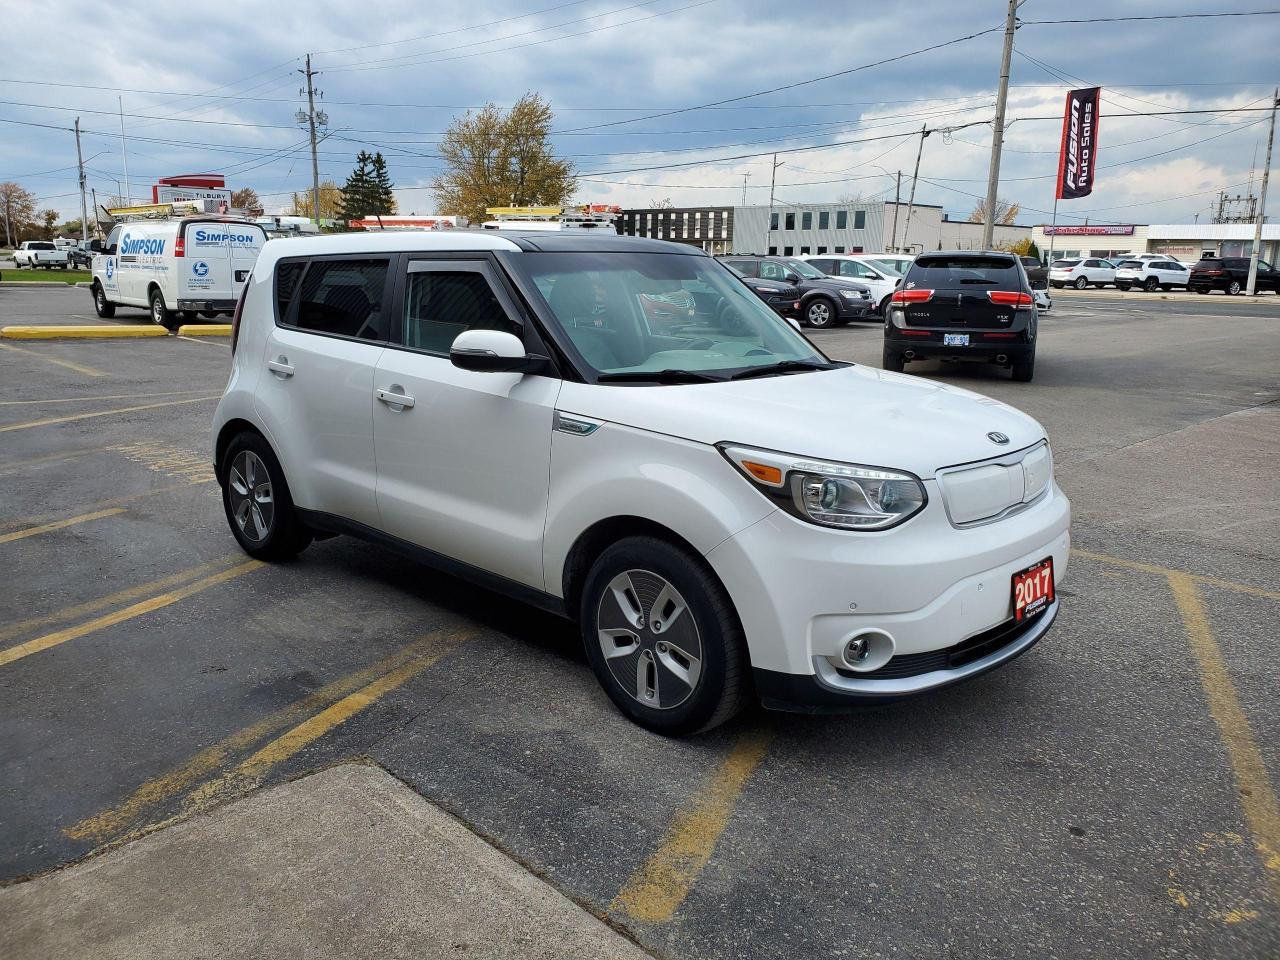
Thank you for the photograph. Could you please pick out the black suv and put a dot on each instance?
(1232, 275)
(964, 305)
(782, 297)
(824, 301)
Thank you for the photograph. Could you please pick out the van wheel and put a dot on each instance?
(161, 314)
(257, 502)
(663, 638)
(190, 316)
(101, 305)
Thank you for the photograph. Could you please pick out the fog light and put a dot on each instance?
(856, 650)
(867, 650)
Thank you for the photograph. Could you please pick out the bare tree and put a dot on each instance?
(1006, 211)
(17, 209)
(663, 204)
(852, 197)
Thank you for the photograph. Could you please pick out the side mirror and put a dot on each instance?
(790, 277)
(110, 251)
(492, 351)
(95, 246)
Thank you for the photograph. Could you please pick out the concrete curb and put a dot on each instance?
(1140, 295)
(205, 330)
(96, 332)
(38, 283)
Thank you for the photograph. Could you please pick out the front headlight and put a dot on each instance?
(842, 495)
(851, 294)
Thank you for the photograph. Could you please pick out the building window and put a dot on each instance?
(859, 219)
(697, 224)
(857, 250)
(842, 221)
(684, 217)
(773, 220)
(791, 221)
(773, 251)
(824, 221)
(804, 250)
(839, 249)
(822, 250)
(806, 221)
(787, 251)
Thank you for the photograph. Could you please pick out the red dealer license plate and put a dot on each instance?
(1033, 590)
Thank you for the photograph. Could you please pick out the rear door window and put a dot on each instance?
(342, 298)
(748, 268)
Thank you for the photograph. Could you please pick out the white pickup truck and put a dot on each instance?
(40, 253)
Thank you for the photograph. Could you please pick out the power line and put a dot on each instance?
(1162, 16)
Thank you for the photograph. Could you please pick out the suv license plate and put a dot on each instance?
(955, 339)
(1033, 590)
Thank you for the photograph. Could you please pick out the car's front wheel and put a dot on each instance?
(256, 498)
(663, 637)
(820, 313)
(1124, 286)
(1082, 283)
(1152, 285)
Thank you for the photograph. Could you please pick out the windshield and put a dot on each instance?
(804, 269)
(640, 313)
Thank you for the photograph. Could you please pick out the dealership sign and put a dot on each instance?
(1078, 159)
(1104, 230)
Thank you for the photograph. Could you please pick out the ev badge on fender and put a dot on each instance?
(996, 437)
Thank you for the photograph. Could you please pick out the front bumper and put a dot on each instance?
(855, 309)
(803, 591)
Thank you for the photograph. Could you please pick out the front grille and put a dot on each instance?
(948, 658)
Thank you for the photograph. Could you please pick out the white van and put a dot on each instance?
(177, 268)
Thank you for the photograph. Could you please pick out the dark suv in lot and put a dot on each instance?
(1232, 275)
(964, 305)
(824, 301)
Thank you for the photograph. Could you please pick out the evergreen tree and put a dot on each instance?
(386, 197)
(359, 196)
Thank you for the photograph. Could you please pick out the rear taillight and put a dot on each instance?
(1211, 273)
(180, 246)
(1010, 298)
(235, 317)
(911, 296)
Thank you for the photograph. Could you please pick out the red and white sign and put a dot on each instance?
(1078, 158)
(1101, 230)
(397, 222)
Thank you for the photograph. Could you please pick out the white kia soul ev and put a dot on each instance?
(617, 430)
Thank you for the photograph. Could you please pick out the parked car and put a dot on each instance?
(689, 500)
(1093, 271)
(1151, 274)
(900, 263)
(964, 305)
(82, 253)
(40, 254)
(783, 298)
(1037, 273)
(879, 279)
(177, 268)
(824, 301)
(1231, 274)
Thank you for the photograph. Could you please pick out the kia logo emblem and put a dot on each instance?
(997, 437)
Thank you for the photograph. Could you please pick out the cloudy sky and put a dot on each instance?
(677, 99)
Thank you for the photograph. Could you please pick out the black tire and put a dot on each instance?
(884, 307)
(1166, 287)
(101, 305)
(1234, 288)
(1124, 286)
(210, 314)
(1082, 283)
(826, 313)
(286, 535)
(161, 314)
(1203, 291)
(1151, 285)
(1024, 369)
(893, 361)
(720, 689)
(190, 316)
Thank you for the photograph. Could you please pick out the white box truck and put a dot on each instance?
(177, 268)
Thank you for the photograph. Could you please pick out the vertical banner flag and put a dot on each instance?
(1078, 161)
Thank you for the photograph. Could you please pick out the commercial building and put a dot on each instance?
(1182, 241)
(816, 228)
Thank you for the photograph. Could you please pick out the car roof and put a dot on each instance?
(968, 253)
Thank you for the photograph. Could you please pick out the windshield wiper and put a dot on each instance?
(658, 376)
(782, 366)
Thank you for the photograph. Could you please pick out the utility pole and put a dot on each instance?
(310, 119)
(906, 231)
(1262, 203)
(124, 154)
(997, 136)
(745, 177)
(84, 210)
(893, 234)
(773, 183)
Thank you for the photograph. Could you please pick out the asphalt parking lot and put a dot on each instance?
(1111, 794)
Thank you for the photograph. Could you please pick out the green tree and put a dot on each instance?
(386, 195)
(368, 189)
(498, 158)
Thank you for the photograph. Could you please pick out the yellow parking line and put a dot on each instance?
(21, 650)
(114, 599)
(254, 770)
(114, 502)
(101, 413)
(1257, 798)
(130, 811)
(1169, 571)
(77, 367)
(656, 890)
(115, 396)
(16, 466)
(59, 524)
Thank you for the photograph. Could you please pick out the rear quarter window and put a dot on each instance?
(288, 273)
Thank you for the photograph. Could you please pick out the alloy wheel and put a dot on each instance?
(251, 496)
(819, 313)
(649, 639)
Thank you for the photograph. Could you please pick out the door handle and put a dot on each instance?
(280, 367)
(394, 399)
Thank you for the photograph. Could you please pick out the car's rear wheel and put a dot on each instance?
(820, 313)
(893, 361)
(1202, 290)
(256, 498)
(663, 638)
(160, 314)
(1234, 287)
(101, 305)
(1025, 368)
(1081, 283)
